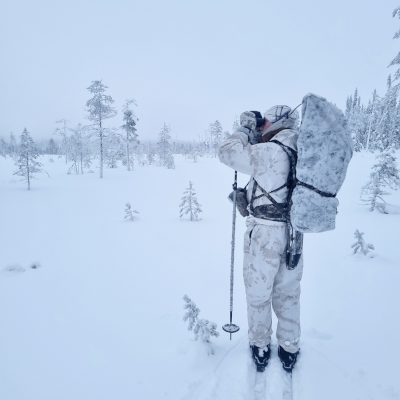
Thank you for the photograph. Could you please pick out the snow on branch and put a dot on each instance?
(361, 245)
(200, 327)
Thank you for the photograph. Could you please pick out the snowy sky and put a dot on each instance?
(187, 63)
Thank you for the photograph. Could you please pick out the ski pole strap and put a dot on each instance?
(320, 192)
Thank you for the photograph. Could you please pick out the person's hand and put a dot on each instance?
(248, 120)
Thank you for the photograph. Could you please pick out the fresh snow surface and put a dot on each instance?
(101, 318)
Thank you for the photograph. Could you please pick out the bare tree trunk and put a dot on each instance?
(101, 152)
(27, 171)
(127, 153)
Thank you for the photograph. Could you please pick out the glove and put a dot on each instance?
(248, 120)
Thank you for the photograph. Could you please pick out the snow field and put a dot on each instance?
(102, 317)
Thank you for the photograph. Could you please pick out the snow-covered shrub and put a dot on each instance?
(51, 159)
(189, 204)
(385, 174)
(129, 212)
(361, 245)
(201, 327)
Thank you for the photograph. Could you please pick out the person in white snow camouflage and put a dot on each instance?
(267, 278)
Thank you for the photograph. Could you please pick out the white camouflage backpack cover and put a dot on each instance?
(324, 151)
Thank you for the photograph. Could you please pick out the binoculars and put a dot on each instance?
(259, 118)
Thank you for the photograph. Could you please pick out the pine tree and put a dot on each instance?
(129, 212)
(99, 108)
(200, 327)
(385, 174)
(129, 126)
(165, 155)
(361, 245)
(26, 163)
(189, 204)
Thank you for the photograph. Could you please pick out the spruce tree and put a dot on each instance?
(26, 163)
(216, 136)
(385, 174)
(129, 126)
(166, 158)
(189, 204)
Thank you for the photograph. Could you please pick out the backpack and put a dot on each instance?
(324, 151)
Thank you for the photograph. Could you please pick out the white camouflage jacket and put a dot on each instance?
(267, 163)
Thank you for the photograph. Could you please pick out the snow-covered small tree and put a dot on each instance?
(129, 127)
(164, 149)
(189, 204)
(99, 108)
(129, 212)
(26, 163)
(113, 149)
(361, 245)
(385, 174)
(201, 327)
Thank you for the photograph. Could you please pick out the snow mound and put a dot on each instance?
(13, 269)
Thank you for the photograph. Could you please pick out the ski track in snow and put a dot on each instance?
(109, 291)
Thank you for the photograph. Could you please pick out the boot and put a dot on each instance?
(260, 356)
(288, 359)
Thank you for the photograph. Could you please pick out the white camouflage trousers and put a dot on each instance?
(267, 280)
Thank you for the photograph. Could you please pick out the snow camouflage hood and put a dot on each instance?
(324, 151)
(281, 117)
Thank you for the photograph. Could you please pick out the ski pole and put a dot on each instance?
(232, 328)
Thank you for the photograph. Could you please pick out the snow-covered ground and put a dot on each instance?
(101, 318)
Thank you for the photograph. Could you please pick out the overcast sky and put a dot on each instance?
(186, 62)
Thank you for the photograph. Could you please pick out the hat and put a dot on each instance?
(276, 113)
